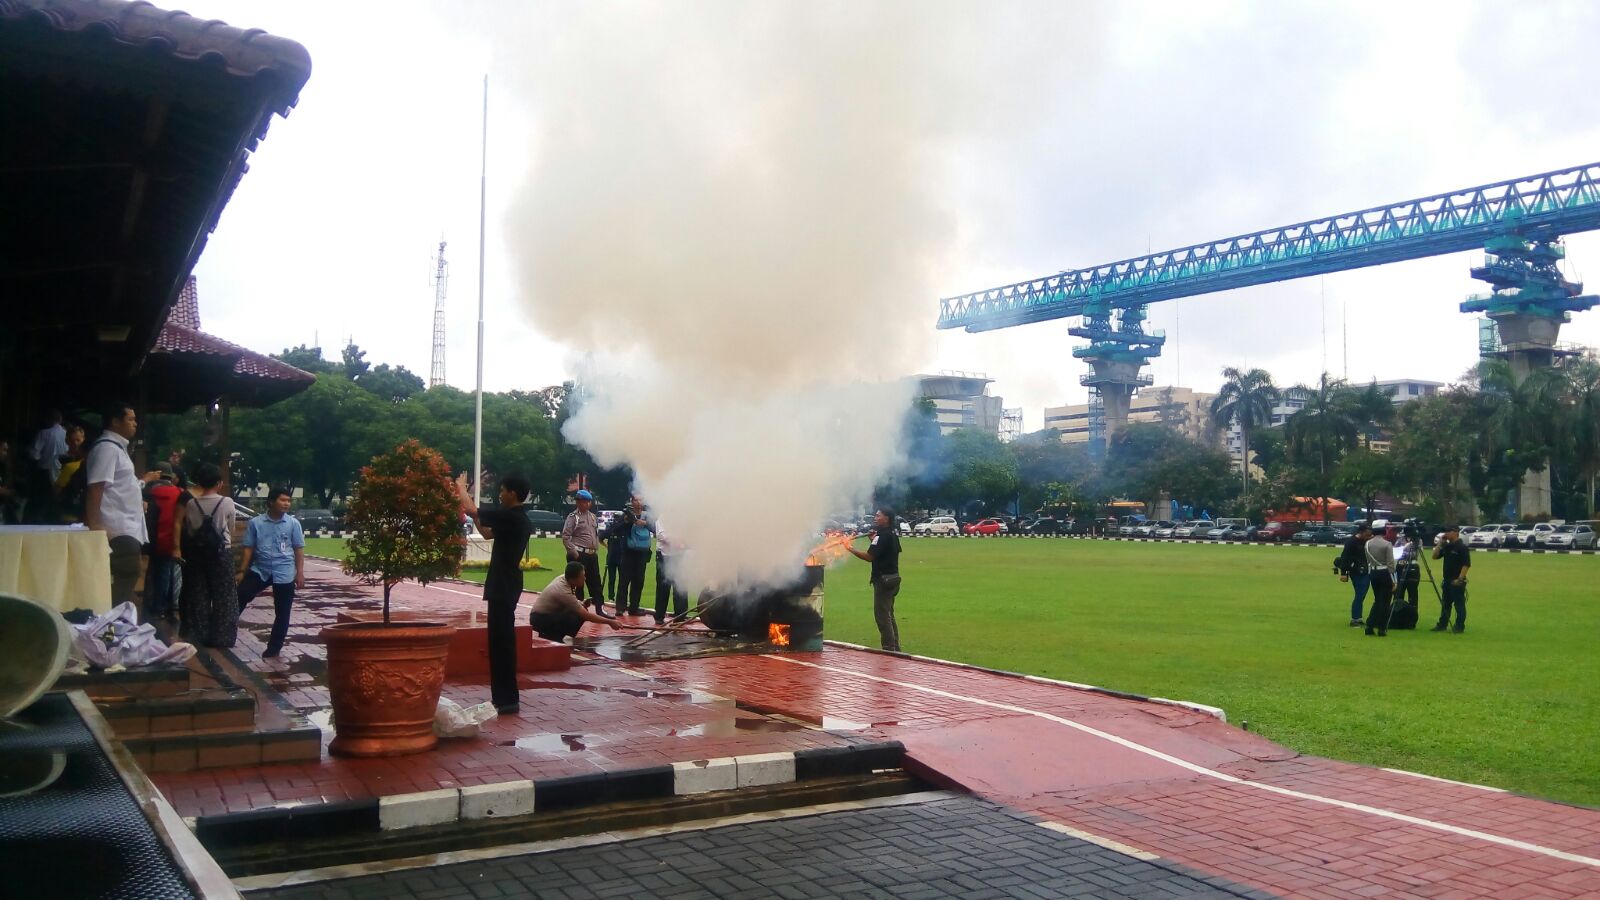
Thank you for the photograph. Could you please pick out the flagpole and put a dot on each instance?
(483, 199)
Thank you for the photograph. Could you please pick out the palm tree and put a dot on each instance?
(1246, 398)
(1370, 408)
(1584, 375)
(1324, 425)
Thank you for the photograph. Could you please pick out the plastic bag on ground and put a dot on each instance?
(117, 638)
(452, 720)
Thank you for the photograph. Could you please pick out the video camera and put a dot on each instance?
(1412, 529)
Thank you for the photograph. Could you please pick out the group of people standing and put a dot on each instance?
(1389, 565)
(173, 525)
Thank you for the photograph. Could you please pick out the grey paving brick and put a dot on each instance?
(961, 847)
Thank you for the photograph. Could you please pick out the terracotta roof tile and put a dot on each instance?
(249, 53)
(175, 338)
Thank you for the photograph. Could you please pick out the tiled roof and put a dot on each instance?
(186, 311)
(176, 338)
(182, 334)
(248, 53)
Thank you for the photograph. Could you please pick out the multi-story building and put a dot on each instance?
(1187, 410)
(961, 400)
(1404, 390)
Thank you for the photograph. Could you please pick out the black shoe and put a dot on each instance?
(636, 612)
(1383, 632)
(1356, 623)
(1440, 628)
(1458, 629)
(1370, 632)
(510, 709)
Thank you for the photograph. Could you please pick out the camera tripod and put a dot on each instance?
(1422, 560)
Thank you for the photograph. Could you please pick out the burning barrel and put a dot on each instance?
(788, 617)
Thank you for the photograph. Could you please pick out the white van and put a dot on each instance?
(938, 525)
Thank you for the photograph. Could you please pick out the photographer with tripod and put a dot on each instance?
(1457, 562)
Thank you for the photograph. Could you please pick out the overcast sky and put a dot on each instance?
(1145, 126)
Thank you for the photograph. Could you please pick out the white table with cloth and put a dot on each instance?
(64, 566)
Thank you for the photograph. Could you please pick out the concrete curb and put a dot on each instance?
(448, 806)
(1215, 712)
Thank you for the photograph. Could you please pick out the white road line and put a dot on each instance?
(1212, 773)
(1097, 840)
(1481, 787)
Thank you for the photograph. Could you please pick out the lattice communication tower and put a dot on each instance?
(441, 279)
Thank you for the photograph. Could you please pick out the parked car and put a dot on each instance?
(1277, 532)
(1127, 529)
(1201, 530)
(1164, 530)
(1046, 525)
(986, 526)
(1570, 537)
(1227, 533)
(545, 520)
(1318, 534)
(1529, 535)
(317, 519)
(938, 525)
(1490, 536)
(1183, 530)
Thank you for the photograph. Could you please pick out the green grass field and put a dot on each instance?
(1262, 633)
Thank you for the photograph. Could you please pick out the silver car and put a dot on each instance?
(1570, 537)
(1490, 536)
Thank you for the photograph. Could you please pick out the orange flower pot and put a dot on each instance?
(385, 681)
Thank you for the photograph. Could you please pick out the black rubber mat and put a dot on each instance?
(69, 828)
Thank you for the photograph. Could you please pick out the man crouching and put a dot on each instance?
(557, 611)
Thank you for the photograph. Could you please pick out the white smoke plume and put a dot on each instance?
(735, 215)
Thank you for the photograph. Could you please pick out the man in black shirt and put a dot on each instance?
(1457, 562)
(508, 526)
(883, 552)
(1353, 569)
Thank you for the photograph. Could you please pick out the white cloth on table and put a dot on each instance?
(62, 566)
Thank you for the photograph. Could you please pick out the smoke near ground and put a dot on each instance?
(735, 216)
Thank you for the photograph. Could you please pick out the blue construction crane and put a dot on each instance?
(1519, 222)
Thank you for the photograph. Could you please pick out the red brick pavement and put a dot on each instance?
(1164, 779)
(1287, 844)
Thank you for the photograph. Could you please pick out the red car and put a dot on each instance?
(1276, 532)
(985, 526)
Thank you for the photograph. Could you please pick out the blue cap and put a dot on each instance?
(585, 495)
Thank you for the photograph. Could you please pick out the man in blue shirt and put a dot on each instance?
(274, 556)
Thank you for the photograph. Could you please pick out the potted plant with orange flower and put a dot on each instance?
(385, 677)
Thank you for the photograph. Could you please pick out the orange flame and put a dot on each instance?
(833, 548)
(777, 635)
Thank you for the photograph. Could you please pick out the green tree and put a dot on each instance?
(1044, 463)
(391, 385)
(983, 471)
(308, 359)
(1363, 474)
(1246, 398)
(1433, 450)
(1150, 460)
(1583, 375)
(1370, 409)
(1321, 431)
(353, 362)
(407, 520)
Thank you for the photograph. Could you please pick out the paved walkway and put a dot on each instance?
(1155, 779)
(958, 847)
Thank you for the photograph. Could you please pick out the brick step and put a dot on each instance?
(145, 681)
(219, 710)
(469, 647)
(226, 749)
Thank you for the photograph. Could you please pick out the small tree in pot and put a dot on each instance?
(385, 678)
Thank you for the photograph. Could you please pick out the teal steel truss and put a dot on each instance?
(1538, 207)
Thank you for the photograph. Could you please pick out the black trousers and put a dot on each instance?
(503, 645)
(591, 577)
(665, 587)
(630, 590)
(555, 626)
(1382, 593)
(613, 569)
(282, 604)
(1453, 596)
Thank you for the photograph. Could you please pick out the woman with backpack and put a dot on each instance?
(208, 606)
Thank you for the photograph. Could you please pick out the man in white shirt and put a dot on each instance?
(114, 502)
(45, 453)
